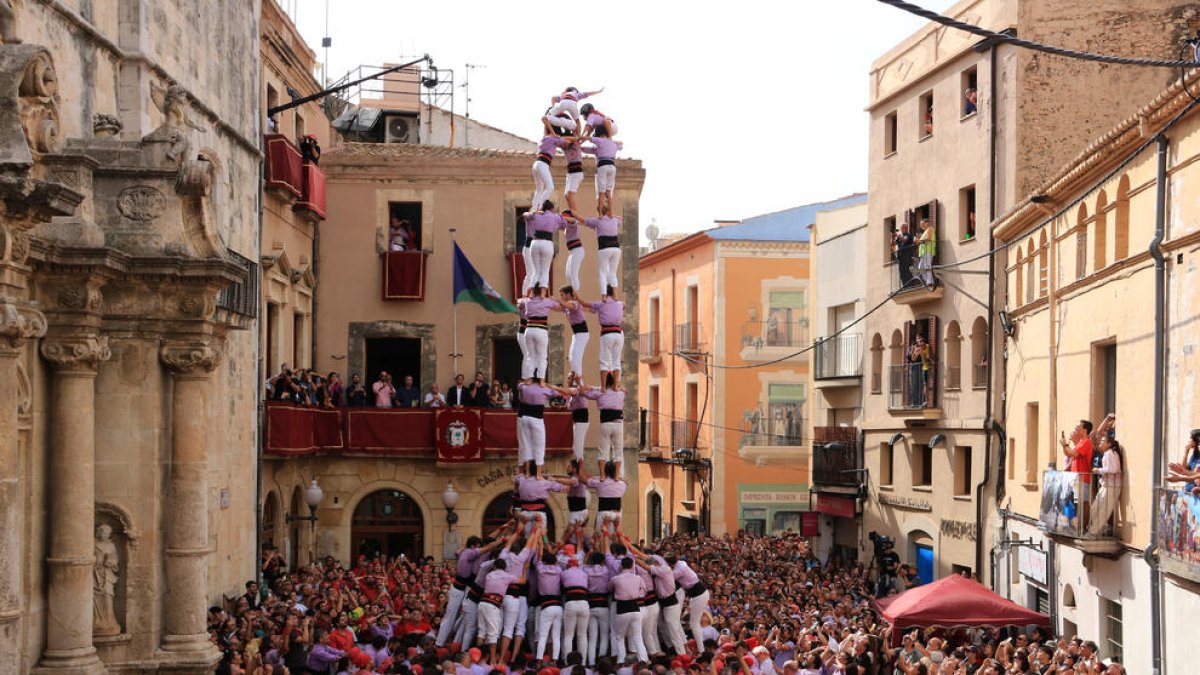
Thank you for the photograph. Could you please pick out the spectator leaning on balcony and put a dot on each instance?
(356, 393)
(408, 396)
(434, 398)
(1078, 449)
(310, 150)
(1109, 475)
(902, 251)
(919, 359)
(1188, 471)
(926, 249)
(384, 390)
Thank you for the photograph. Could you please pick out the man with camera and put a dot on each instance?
(888, 562)
(384, 390)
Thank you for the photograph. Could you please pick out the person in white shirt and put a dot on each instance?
(434, 399)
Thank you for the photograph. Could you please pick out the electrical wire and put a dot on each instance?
(1030, 44)
(717, 427)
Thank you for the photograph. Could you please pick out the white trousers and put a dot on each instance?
(566, 107)
(490, 618)
(925, 265)
(521, 344)
(533, 431)
(597, 633)
(612, 441)
(516, 613)
(650, 628)
(453, 604)
(531, 517)
(561, 120)
(549, 627)
(697, 606)
(610, 267)
(469, 624)
(527, 282)
(606, 178)
(575, 627)
(537, 346)
(574, 180)
(671, 617)
(628, 626)
(543, 184)
(579, 343)
(610, 350)
(577, 517)
(542, 255)
(1103, 508)
(579, 438)
(574, 262)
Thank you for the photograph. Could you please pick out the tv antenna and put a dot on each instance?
(466, 85)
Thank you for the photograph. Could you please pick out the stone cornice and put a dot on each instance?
(19, 321)
(82, 352)
(189, 357)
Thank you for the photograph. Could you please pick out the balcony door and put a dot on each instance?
(843, 319)
(506, 360)
(398, 356)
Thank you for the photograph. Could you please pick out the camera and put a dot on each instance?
(881, 542)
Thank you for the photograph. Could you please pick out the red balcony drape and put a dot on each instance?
(404, 275)
(312, 190)
(283, 166)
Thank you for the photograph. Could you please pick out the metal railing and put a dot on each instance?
(683, 434)
(688, 337)
(912, 386)
(838, 356)
(1178, 511)
(648, 346)
(759, 334)
(911, 279)
(1067, 504)
(774, 431)
(835, 456)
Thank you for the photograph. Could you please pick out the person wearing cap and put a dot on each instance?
(575, 604)
(628, 592)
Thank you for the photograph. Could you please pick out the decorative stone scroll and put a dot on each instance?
(189, 358)
(18, 323)
(76, 352)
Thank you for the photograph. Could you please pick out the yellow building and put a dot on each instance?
(1079, 282)
(724, 377)
(956, 160)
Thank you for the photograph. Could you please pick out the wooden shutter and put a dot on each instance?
(937, 233)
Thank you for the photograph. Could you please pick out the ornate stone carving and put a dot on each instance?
(141, 203)
(39, 104)
(105, 572)
(104, 126)
(76, 352)
(24, 392)
(19, 322)
(8, 23)
(188, 358)
(172, 102)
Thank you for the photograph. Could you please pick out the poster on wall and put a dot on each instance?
(458, 436)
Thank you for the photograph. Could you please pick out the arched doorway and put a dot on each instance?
(270, 512)
(653, 516)
(500, 510)
(293, 552)
(390, 522)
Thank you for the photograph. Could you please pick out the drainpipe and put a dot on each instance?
(259, 391)
(671, 429)
(1156, 442)
(987, 415)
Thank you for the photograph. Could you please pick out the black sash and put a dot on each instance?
(573, 244)
(530, 410)
(577, 503)
(610, 415)
(580, 327)
(650, 599)
(542, 234)
(606, 162)
(608, 242)
(493, 599)
(579, 416)
(573, 593)
(609, 504)
(550, 601)
(668, 601)
(627, 606)
(597, 600)
(574, 167)
(696, 590)
(537, 505)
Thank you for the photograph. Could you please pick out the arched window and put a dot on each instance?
(1030, 279)
(270, 513)
(979, 353)
(390, 522)
(1043, 265)
(1019, 274)
(1081, 242)
(1122, 224)
(896, 370)
(953, 356)
(877, 364)
(1101, 243)
(653, 516)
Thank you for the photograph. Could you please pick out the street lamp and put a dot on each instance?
(312, 498)
(450, 500)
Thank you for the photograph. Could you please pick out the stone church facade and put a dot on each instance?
(129, 200)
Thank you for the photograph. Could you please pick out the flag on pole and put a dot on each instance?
(469, 286)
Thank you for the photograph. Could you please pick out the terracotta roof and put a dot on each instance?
(414, 150)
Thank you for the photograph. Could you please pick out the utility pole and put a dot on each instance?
(466, 85)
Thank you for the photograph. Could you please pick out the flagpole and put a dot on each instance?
(454, 312)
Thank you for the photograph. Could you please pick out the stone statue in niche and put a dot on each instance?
(105, 575)
(8, 23)
(172, 102)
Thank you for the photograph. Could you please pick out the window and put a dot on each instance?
(1039, 600)
(1121, 236)
(300, 127)
(962, 471)
(979, 357)
(687, 335)
(1114, 630)
(1012, 458)
(691, 403)
(1032, 425)
(953, 356)
(969, 86)
(520, 229)
(398, 356)
(889, 234)
(922, 465)
(1030, 262)
(652, 417)
(1081, 242)
(966, 213)
(785, 405)
(299, 353)
(1019, 275)
(404, 226)
(889, 133)
(1101, 243)
(652, 314)
(1043, 266)
(689, 486)
(961, 570)
(787, 319)
(272, 101)
(506, 360)
(1104, 388)
(754, 521)
(877, 364)
(925, 115)
(654, 529)
(273, 338)
(885, 463)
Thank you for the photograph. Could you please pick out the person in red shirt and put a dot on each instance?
(342, 637)
(1078, 449)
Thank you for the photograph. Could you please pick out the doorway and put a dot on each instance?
(506, 360)
(388, 522)
(924, 563)
(499, 512)
(398, 356)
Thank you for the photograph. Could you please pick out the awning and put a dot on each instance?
(953, 602)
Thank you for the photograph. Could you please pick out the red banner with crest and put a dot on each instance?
(458, 436)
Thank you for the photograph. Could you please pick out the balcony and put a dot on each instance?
(312, 191)
(649, 351)
(403, 275)
(683, 434)
(913, 389)
(914, 291)
(284, 170)
(1178, 546)
(773, 339)
(835, 457)
(1066, 509)
(688, 337)
(838, 358)
(778, 437)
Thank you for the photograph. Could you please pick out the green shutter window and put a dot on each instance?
(787, 299)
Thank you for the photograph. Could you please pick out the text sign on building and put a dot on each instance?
(774, 498)
(1032, 563)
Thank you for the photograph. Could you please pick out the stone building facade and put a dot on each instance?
(129, 158)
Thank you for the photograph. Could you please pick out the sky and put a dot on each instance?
(734, 108)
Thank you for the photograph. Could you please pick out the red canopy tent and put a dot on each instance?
(953, 602)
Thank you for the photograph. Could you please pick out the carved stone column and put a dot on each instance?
(19, 322)
(191, 364)
(74, 358)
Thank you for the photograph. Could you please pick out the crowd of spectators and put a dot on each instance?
(308, 388)
(775, 609)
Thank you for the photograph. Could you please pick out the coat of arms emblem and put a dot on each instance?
(457, 434)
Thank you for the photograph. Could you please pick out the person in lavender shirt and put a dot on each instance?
(467, 556)
(608, 247)
(611, 313)
(609, 491)
(598, 575)
(578, 405)
(533, 495)
(531, 423)
(697, 593)
(550, 606)
(628, 591)
(594, 119)
(570, 302)
(575, 250)
(575, 607)
(515, 604)
(523, 323)
(322, 655)
(527, 257)
(542, 224)
(574, 178)
(564, 110)
(611, 401)
(537, 337)
(543, 181)
(605, 149)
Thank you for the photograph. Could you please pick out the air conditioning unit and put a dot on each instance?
(400, 129)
